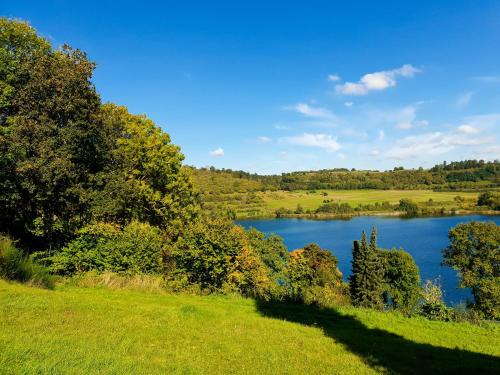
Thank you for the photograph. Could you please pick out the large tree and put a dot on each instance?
(51, 139)
(366, 279)
(144, 178)
(474, 251)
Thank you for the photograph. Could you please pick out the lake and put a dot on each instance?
(422, 237)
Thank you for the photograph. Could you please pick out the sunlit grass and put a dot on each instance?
(98, 330)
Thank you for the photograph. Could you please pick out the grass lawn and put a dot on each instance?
(96, 330)
(289, 200)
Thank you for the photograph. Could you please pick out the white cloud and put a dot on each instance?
(464, 99)
(324, 141)
(432, 144)
(313, 112)
(333, 77)
(217, 152)
(264, 139)
(381, 135)
(374, 152)
(376, 81)
(348, 104)
(468, 129)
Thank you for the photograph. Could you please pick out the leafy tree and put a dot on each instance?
(401, 280)
(314, 276)
(218, 255)
(51, 139)
(145, 179)
(409, 207)
(490, 199)
(474, 251)
(366, 279)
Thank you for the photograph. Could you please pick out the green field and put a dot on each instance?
(96, 330)
(266, 203)
(308, 200)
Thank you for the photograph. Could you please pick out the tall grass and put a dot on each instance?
(14, 265)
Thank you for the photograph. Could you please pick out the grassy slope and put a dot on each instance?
(88, 330)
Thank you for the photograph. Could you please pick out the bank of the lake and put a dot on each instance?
(423, 237)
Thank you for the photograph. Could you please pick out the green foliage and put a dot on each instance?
(66, 160)
(138, 248)
(14, 265)
(490, 199)
(401, 280)
(220, 256)
(474, 251)
(335, 208)
(366, 279)
(432, 304)
(409, 207)
(314, 277)
(145, 179)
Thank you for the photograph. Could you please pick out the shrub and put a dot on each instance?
(432, 306)
(220, 256)
(137, 248)
(314, 277)
(14, 265)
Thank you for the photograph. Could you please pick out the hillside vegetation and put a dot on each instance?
(97, 330)
(441, 189)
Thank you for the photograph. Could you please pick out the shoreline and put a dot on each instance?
(369, 213)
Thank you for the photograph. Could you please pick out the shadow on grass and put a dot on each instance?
(382, 350)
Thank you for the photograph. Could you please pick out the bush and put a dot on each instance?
(220, 256)
(137, 248)
(433, 307)
(314, 277)
(14, 265)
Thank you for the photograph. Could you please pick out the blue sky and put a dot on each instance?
(271, 87)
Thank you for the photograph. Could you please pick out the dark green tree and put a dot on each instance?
(401, 279)
(367, 273)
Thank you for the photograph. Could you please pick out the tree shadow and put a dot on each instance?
(383, 350)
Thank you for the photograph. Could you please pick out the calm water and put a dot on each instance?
(423, 238)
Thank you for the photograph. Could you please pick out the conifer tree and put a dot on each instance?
(366, 277)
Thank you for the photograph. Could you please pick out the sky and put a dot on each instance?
(280, 86)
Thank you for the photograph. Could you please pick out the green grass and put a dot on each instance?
(265, 204)
(275, 200)
(97, 330)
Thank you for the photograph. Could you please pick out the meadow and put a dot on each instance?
(265, 204)
(75, 329)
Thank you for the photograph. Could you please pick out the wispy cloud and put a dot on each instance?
(264, 139)
(381, 135)
(432, 144)
(376, 81)
(217, 152)
(334, 77)
(312, 112)
(463, 100)
(467, 129)
(348, 104)
(324, 141)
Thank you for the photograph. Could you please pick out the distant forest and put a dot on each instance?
(460, 176)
